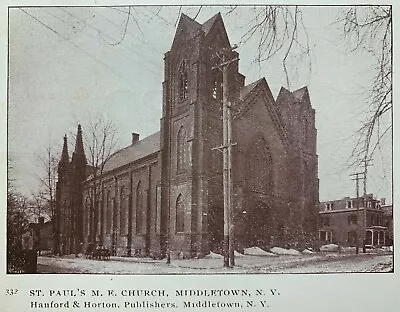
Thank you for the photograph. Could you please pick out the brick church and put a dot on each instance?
(163, 194)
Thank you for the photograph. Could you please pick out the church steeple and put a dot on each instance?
(64, 154)
(64, 161)
(79, 152)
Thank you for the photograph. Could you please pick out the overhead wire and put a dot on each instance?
(154, 49)
(97, 30)
(117, 73)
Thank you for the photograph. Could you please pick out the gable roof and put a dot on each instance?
(300, 94)
(189, 26)
(188, 23)
(244, 91)
(206, 27)
(134, 152)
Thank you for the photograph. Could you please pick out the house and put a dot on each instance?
(39, 236)
(347, 220)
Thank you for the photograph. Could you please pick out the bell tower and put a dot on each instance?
(191, 126)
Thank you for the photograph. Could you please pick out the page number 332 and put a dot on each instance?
(11, 291)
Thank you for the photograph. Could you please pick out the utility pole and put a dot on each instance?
(365, 161)
(366, 164)
(358, 234)
(226, 148)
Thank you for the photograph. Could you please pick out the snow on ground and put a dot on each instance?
(213, 255)
(238, 254)
(307, 251)
(329, 248)
(347, 265)
(305, 263)
(257, 251)
(283, 251)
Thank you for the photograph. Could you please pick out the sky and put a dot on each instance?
(68, 64)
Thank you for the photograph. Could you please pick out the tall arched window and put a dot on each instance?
(180, 214)
(108, 212)
(139, 209)
(181, 150)
(183, 81)
(259, 173)
(305, 130)
(86, 216)
(122, 211)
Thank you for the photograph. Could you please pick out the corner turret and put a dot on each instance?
(64, 161)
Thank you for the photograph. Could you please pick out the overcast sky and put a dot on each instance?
(69, 63)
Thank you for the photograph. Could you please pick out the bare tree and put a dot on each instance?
(101, 141)
(39, 208)
(368, 29)
(17, 220)
(279, 31)
(48, 164)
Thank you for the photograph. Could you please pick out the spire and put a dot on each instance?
(64, 154)
(64, 161)
(79, 153)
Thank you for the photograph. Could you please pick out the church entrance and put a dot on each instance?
(257, 225)
(216, 228)
(259, 199)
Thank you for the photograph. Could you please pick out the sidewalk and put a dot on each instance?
(213, 263)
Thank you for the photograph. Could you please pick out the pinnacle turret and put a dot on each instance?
(64, 161)
(79, 152)
(64, 155)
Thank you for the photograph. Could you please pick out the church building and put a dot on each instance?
(164, 194)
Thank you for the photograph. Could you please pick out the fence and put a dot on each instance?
(22, 262)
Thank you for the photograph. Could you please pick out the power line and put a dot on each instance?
(160, 17)
(73, 44)
(132, 36)
(359, 176)
(129, 13)
(98, 31)
(125, 28)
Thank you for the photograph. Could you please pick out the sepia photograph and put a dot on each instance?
(199, 140)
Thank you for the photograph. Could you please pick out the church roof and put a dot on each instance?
(191, 25)
(134, 152)
(247, 89)
(300, 93)
(206, 27)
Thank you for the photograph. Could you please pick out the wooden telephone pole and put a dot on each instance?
(226, 149)
(366, 164)
(358, 232)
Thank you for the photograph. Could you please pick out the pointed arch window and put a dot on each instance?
(217, 84)
(122, 211)
(139, 208)
(259, 173)
(183, 81)
(180, 214)
(181, 150)
(86, 216)
(305, 131)
(108, 212)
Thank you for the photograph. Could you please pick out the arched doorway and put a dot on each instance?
(216, 228)
(259, 195)
(257, 225)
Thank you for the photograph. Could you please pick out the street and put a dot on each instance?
(213, 264)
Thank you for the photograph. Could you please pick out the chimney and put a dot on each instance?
(135, 137)
(383, 201)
